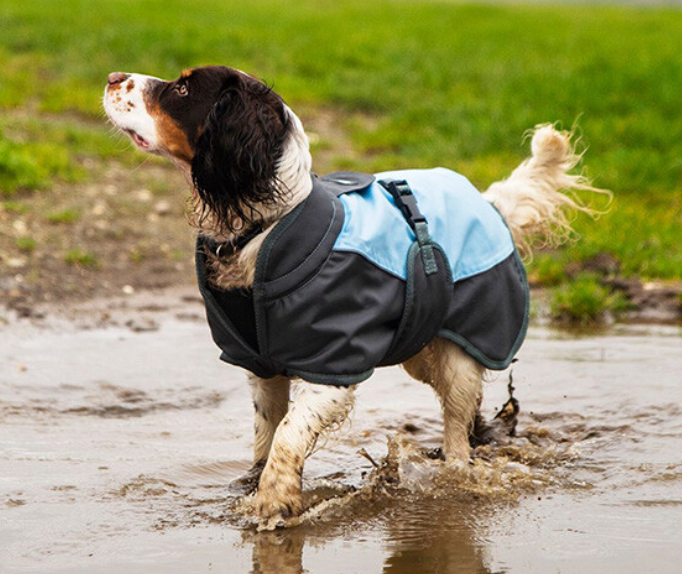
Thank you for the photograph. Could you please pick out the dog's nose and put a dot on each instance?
(117, 78)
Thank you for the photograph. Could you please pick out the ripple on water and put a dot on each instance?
(106, 400)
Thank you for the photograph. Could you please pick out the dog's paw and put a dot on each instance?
(269, 507)
(248, 483)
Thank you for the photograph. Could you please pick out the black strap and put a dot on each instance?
(407, 203)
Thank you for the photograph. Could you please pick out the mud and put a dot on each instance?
(117, 444)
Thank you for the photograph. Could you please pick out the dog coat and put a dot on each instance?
(365, 272)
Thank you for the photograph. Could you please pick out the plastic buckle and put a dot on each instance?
(406, 202)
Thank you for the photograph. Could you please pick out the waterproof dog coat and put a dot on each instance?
(365, 272)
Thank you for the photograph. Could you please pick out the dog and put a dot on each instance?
(246, 157)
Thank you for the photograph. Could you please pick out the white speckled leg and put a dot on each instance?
(270, 403)
(315, 409)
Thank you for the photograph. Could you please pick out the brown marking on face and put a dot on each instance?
(171, 137)
(180, 107)
(130, 86)
(131, 105)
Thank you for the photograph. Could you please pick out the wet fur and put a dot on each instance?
(249, 165)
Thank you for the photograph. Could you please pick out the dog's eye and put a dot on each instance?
(181, 89)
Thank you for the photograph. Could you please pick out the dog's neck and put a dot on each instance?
(292, 176)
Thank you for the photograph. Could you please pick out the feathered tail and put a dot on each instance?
(538, 198)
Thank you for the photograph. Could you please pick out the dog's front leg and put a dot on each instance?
(315, 409)
(270, 403)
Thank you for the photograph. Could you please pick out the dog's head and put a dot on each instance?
(230, 129)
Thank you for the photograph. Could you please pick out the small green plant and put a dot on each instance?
(18, 169)
(27, 244)
(547, 270)
(585, 301)
(137, 254)
(67, 216)
(79, 257)
(13, 207)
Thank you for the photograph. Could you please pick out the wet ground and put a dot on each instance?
(120, 429)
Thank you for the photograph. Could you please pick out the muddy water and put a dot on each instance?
(119, 431)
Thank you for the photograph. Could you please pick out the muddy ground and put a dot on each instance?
(120, 430)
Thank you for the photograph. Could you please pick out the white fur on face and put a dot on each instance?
(125, 105)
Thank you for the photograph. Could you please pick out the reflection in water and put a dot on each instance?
(434, 538)
(425, 536)
(278, 553)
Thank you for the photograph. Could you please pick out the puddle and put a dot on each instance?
(117, 445)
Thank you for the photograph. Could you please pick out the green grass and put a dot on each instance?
(33, 165)
(585, 301)
(67, 216)
(18, 169)
(78, 256)
(26, 244)
(443, 83)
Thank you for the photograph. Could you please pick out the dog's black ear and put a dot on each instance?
(236, 157)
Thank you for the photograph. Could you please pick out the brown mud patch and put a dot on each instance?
(122, 230)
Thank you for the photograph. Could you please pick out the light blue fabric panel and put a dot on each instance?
(465, 225)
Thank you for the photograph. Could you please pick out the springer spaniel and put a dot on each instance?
(246, 157)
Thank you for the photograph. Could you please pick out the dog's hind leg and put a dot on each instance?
(315, 409)
(270, 403)
(457, 379)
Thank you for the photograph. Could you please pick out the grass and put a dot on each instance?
(78, 256)
(33, 165)
(413, 83)
(66, 216)
(585, 301)
(26, 244)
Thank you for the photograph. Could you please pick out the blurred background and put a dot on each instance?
(379, 85)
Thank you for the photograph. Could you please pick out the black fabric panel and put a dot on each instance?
(238, 306)
(489, 311)
(298, 234)
(295, 253)
(304, 238)
(341, 323)
(236, 342)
